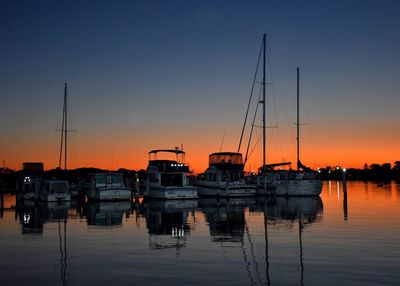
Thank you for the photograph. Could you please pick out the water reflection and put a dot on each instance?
(285, 212)
(167, 222)
(31, 218)
(226, 217)
(284, 241)
(106, 213)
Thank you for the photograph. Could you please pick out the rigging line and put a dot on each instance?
(252, 125)
(251, 95)
(222, 143)
(255, 145)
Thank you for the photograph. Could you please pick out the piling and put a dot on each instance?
(344, 181)
(345, 210)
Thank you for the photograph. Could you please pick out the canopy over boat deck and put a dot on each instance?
(228, 161)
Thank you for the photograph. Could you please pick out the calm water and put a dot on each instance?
(298, 241)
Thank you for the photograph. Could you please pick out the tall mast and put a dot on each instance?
(264, 101)
(66, 126)
(62, 133)
(298, 121)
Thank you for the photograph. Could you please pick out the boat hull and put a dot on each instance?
(56, 197)
(171, 192)
(301, 187)
(218, 190)
(110, 194)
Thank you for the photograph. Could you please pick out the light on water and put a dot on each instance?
(336, 239)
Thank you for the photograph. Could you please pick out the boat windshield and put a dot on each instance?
(102, 179)
(59, 187)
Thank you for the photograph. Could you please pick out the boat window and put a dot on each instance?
(213, 177)
(152, 177)
(59, 187)
(101, 179)
(109, 179)
(116, 179)
(171, 180)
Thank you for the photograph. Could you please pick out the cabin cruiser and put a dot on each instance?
(54, 191)
(107, 187)
(224, 177)
(166, 178)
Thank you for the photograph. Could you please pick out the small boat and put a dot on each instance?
(107, 187)
(224, 177)
(167, 179)
(54, 191)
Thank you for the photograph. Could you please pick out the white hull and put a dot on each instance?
(110, 194)
(171, 192)
(302, 187)
(223, 190)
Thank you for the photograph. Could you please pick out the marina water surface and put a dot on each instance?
(333, 239)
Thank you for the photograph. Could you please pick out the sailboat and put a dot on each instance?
(304, 181)
(263, 181)
(58, 190)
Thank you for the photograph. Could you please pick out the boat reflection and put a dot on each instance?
(167, 222)
(54, 212)
(226, 217)
(31, 218)
(289, 209)
(106, 213)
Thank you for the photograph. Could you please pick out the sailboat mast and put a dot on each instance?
(66, 126)
(264, 101)
(298, 120)
(62, 133)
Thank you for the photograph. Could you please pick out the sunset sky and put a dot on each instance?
(145, 75)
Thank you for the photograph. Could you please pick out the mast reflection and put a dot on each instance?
(303, 210)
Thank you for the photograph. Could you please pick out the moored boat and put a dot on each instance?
(54, 191)
(224, 177)
(107, 187)
(166, 178)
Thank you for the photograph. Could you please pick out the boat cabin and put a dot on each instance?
(105, 180)
(167, 171)
(176, 164)
(55, 187)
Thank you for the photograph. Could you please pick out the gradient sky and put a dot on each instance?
(157, 74)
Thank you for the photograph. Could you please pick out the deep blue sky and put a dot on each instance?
(153, 73)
